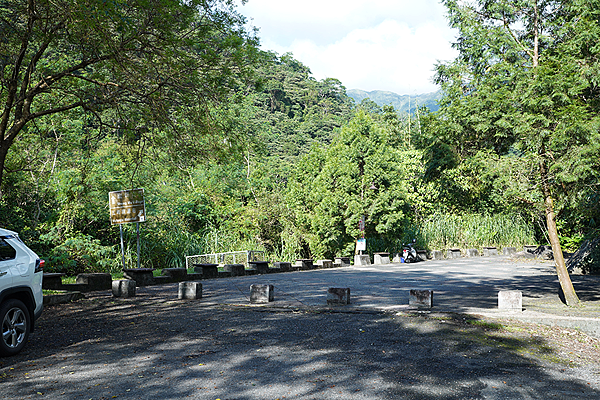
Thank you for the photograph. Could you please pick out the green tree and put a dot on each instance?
(525, 85)
(359, 175)
(131, 63)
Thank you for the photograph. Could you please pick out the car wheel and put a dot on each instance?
(15, 327)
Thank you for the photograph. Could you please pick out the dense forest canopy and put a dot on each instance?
(524, 89)
(239, 148)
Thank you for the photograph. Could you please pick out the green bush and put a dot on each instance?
(78, 254)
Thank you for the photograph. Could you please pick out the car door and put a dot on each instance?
(7, 264)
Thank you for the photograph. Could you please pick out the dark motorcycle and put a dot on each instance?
(409, 253)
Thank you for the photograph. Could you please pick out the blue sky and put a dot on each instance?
(371, 45)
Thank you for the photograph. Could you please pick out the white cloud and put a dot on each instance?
(378, 44)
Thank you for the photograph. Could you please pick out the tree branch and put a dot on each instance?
(516, 39)
(12, 90)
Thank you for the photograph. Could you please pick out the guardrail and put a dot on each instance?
(231, 257)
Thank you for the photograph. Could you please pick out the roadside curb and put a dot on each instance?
(61, 298)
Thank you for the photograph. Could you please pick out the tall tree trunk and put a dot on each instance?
(561, 269)
(3, 153)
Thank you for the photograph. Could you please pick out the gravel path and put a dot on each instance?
(154, 346)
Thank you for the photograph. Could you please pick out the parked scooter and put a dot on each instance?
(409, 253)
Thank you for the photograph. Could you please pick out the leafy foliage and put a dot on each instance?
(359, 176)
(241, 149)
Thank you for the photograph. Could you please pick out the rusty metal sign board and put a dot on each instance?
(127, 206)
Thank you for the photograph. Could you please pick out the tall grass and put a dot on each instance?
(167, 249)
(474, 231)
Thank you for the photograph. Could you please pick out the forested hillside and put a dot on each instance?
(238, 148)
(407, 104)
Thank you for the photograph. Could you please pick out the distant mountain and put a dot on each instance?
(402, 103)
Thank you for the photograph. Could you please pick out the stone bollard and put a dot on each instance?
(261, 293)
(341, 262)
(175, 274)
(338, 296)
(207, 270)
(283, 266)
(381, 258)
(52, 281)
(509, 251)
(490, 251)
(190, 291)
(95, 281)
(324, 264)
(303, 264)
(454, 253)
(141, 276)
(472, 253)
(420, 298)
(362, 259)
(235, 269)
(261, 267)
(510, 300)
(437, 255)
(123, 288)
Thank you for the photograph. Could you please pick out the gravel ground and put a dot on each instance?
(154, 346)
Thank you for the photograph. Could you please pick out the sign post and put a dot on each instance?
(127, 206)
(361, 243)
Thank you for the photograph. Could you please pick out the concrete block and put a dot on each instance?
(303, 264)
(510, 300)
(52, 299)
(208, 271)
(176, 274)
(261, 267)
(342, 261)
(472, 253)
(52, 281)
(437, 255)
(422, 254)
(95, 281)
(324, 263)
(381, 258)
(363, 259)
(141, 276)
(509, 251)
(490, 251)
(261, 293)
(453, 253)
(123, 288)
(420, 298)
(235, 269)
(75, 287)
(338, 296)
(283, 266)
(190, 291)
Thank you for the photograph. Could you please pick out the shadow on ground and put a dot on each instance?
(155, 347)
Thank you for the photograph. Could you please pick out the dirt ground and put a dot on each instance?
(152, 346)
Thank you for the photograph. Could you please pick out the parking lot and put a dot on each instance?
(154, 346)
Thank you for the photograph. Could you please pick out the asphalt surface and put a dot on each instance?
(468, 285)
(155, 346)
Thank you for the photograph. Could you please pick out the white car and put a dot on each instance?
(21, 298)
